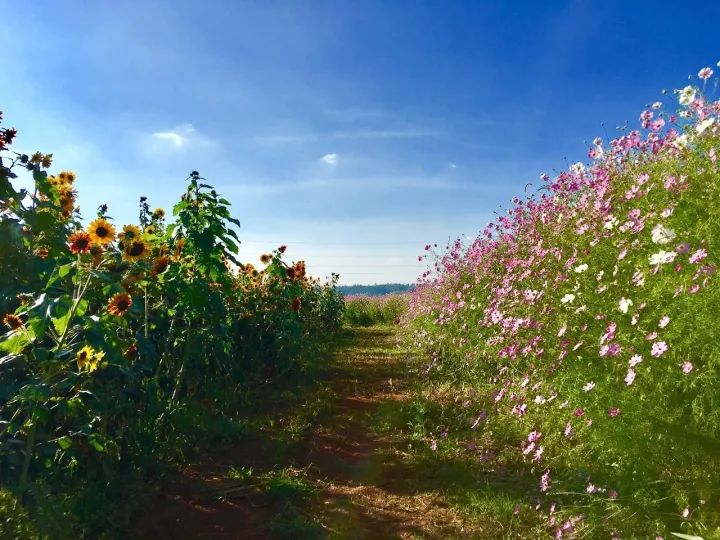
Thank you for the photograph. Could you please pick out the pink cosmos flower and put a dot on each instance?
(589, 386)
(687, 367)
(612, 494)
(545, 481)
(658, 349)
(635, 360)
(613, 412)
(698, 256)
(534, 436)
(579, 412)
(705, 73)
(664, 321)
(630, 377)
(683, 248)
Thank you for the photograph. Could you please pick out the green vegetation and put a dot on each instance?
(129, 349)
(371, 310)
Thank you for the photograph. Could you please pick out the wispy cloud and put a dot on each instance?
(178, 137)
(413, 133)
(330, 159)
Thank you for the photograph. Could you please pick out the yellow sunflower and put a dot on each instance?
(119, 304)
(135, 249)
(265, 258)
(130, 232)
(67, 177)
(101, 231)
(158, 213)
(88, 358)
(151, 230)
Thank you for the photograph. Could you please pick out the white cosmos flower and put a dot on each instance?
(662, 235)
(682, 141)
(702, 126)
(611, 223)
(625, 304)
(662, 257)
(581, 268)
(567, 298)
(687, 95)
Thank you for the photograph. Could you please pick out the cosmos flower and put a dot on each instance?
(705, 73)
(698, 256)
(662, 257)
(589, 386)
(658, 349)
(687, 367)
(624, 304)
(662, 235)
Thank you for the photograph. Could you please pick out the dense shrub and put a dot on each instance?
(588, 317)
(363, 310)
(117, 336)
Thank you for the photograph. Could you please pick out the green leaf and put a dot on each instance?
(64, 442)
(687, 536)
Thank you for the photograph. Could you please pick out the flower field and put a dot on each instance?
(126, 346)
(580, 332)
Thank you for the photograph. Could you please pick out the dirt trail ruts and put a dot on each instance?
(365, 492)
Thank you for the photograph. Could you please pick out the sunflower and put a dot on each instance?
(88, 358)
(265, 258)
(67, 199)
(158, 214)
(295, 304)
(79, 242)
(129, 232)
(96, 250)
(151, 230)
(119, 304)
(160, 265)
(13, 321)
(101, 231)
(135, 250)
(67, 177)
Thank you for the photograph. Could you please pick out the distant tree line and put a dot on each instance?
(376, 290)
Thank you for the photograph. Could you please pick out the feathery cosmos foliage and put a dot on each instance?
(589, 313)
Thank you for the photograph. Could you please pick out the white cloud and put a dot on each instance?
(330, 159)
(452, 165)
(178, 137)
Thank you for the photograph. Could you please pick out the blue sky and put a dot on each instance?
(355, 132)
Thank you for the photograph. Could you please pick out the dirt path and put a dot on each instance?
(319, 469)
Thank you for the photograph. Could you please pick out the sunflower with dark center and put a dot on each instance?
(129, 232)
(295, 304)
(119, 304)
(67, 177)
(135, 250)
(88, 358)
(79, 242)
(158, 213)
(13, 321)
(101, 231)
(265, 258)
(160, 265)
